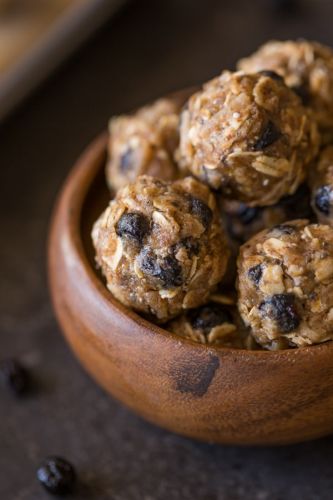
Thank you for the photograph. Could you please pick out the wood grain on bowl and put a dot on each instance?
(211, 394)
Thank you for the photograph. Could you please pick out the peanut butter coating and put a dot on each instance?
(307, 67)
(248, 136)
(285, 285)
(144, 144)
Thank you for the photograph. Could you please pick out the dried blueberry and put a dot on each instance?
(192, 246)
(322, 199)
(283, 229)
(133, 225)
(272, 74)
(269, 135)
(302, 92)
(199, 208)
(15, 376)
(167, 270)
(126, 160)
(247, 214)
(56, 475)
(282, 308)
(255, 274)
(207, 317)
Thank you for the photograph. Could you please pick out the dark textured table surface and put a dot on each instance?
(150, 48)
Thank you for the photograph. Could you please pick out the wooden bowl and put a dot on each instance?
(211, 394)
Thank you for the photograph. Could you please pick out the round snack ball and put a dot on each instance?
(248, 136)
(213, 324)
(144, 143)
(285, 282)
(242, 222)
(161, 246)
(321, 182)
(307, 68)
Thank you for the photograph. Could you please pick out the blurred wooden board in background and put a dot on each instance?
(36, 35)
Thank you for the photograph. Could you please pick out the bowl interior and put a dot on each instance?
(95, 202)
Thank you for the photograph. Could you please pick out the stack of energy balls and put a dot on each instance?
(220, 228)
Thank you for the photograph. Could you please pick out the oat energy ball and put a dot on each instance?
(144, 143)
(248, 136)
(213, 324)
(242, 222)
(307, 68)
(321, 182)
(161, 246)
(285, 285)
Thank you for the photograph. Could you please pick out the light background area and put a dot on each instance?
(36, 35)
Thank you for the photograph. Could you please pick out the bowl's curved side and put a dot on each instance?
(215, 395)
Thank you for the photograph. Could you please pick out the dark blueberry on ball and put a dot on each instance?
(201, 210)
(191, 245)
(247, 214)
(255, 274)
(170, 272)
(133, 225)
(167, 270)
(272, 74)
(282, 308)
(15, 376)
(322, 199)
(283, 229)
(207, 317)
(269, 135)
(57, 475)
(126, 160)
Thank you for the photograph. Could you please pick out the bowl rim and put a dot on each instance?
(73, 195)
